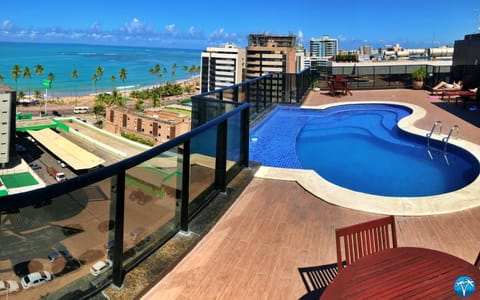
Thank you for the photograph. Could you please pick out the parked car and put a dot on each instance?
(8, 287)
(57, 254)
(100, 266)
(20, 148)
(35, 166)
(36, 279)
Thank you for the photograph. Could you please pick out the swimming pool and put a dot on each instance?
(360, 147)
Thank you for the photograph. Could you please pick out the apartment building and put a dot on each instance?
(157, 125)
(221, 67)
(272, 54)
(323, 47)
(7, 125)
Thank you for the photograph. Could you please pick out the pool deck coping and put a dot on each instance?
(464, 198)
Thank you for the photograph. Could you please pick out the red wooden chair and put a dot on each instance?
(363, 239)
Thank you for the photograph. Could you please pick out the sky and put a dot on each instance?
(200, 24)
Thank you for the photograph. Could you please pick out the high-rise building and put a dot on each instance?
(7, 124)
(323, 47)
(222, 67)
(272, 54)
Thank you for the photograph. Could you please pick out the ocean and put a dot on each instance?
(62, 59)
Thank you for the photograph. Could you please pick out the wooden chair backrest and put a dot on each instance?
(363, 239)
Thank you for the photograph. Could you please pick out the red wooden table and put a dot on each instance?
(402, 273)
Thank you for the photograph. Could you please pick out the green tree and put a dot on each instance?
(51, 77)
(37, 94)
(21, 95)
(155, 99)
(94, 81)
(123, 76)
(99, 72)
(27, 74)
(174, 70)
(155, 71)
(15, 74)
(75, 77)
(116, 98)
(39, 70)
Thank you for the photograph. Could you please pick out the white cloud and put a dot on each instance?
(170, 28)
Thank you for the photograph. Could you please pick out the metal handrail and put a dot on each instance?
(429, 135)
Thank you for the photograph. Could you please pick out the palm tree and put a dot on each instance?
(15, 74)
(155, 99)
(37, 94)
(155, 70)
(113, 79)
(174, 70)
(99, 72)
(39, 70)
(51, 77)
(94, 80)
(123, 76)
(75, 76)
(27, 74)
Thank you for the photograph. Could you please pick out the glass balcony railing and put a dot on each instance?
(103, 223)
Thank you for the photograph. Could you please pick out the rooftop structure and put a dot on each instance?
(156, 125)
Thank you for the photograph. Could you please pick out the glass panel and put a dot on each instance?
(151, 190)
(233, 140)
(64, 236)
(202, 165)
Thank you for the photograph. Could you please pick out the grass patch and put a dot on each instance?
(12, 181)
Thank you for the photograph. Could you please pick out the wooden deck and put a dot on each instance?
(276, 227)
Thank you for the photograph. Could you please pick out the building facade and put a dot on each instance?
(272, 54)
(156, 125)
(7, 125)
(466, 60)
(221, 67)
(323, 47)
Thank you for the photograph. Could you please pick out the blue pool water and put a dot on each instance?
(360, 147)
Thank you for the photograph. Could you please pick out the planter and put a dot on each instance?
(417, 85)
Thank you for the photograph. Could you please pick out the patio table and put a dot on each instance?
(402, 273)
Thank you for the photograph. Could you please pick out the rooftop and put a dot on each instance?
(275, 227)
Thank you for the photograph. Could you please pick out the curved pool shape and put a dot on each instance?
(360, 147)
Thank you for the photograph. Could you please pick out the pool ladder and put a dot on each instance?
(429, 135)
(445, 140)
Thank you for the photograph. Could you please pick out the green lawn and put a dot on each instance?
(18, 180)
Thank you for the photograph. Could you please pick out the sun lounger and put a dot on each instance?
(463, 95)
(457, 93)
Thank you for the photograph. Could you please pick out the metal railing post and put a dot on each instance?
(244, 137)
(185, 187)
(118, 198)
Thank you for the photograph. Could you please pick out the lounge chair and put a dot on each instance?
(462, 95)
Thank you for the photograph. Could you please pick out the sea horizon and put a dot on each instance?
(62, 58)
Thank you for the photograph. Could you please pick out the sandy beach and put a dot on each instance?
(68, 102)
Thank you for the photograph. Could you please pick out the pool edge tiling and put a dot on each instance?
(464, 198)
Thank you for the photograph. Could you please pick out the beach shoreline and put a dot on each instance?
(88, 100)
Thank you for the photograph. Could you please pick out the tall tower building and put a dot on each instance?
(7, 125)
(323, 47)
(221, 67)
(272, 54)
